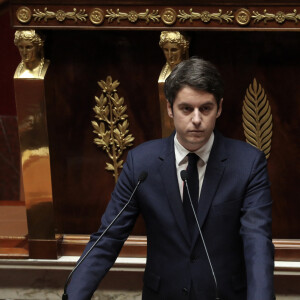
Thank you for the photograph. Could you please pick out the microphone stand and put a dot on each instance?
(184, 177)
(142, 177)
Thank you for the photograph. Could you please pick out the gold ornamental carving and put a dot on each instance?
(205, 16)
(242, 16)
(175, 46)
(112, 128)
(169, 16)
(96, 16)
(31, 48)
(132, 16)
(257, 118)
(60, 15)
(23, 14)
(279, 17)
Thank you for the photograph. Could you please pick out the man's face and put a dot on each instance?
(28, 51)
(173, 53)
(194, 114)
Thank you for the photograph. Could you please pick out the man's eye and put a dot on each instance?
(205, 109)
(186, 109)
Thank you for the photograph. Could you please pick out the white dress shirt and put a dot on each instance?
(181, 160)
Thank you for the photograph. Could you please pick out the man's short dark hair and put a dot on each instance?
(196, 73)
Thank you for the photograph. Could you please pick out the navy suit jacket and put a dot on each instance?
(234, 213)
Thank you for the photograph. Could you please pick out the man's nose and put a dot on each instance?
(196, 119)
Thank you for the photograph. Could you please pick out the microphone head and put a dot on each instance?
(184, 175)
(143, 175)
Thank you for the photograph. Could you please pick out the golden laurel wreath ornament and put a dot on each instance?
(112, 126)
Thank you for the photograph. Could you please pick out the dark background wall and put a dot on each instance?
(81, 186)
(9, 143)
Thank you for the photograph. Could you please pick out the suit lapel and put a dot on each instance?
(212, 178)
(170, 183)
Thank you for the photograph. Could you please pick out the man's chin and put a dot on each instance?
(196, 143)
(196, 138)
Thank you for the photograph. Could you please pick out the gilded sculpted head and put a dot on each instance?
(175, 47)
(30, 45)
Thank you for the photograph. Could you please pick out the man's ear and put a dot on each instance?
(169, 109)
(220, 108)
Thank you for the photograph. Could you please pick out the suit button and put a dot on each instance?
(185, 291)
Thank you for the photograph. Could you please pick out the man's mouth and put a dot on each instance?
(195, 133)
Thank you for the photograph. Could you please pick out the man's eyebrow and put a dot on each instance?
(184, 103)
(209, 102)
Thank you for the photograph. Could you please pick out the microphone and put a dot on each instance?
(143, 175)
(184, 177)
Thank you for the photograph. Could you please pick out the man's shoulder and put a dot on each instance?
(240, 148)
(151, 147)
(235, 143)
(148, 154)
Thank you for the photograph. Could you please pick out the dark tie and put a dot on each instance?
(193, 185)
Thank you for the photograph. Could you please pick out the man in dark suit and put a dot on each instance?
(229, 189)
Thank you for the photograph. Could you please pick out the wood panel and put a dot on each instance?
(9, 60)
(13, 247)
(73, 245)
(83, 53)
(136, 246)
(82, 187)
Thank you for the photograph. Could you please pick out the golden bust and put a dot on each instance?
(30, 45)
(175, 47)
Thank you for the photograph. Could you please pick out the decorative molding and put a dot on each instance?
(205, 16)
(112, 129)
(73, 244)
(132, 16)
(60, 15)
(96, 16)
(279, 17)
(242, 16)
(169, 16)
(24, 14)
(257, 118)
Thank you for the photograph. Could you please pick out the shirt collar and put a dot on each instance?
(203, 152)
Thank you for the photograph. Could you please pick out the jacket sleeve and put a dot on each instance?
(87, 277)
(256, 231)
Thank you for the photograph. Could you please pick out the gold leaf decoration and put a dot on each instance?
(205, 16)
(257, 118)
(60, 15)
(132, 16)
(112, 126)
(242, 16)
(23, 14)
(279, 17)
